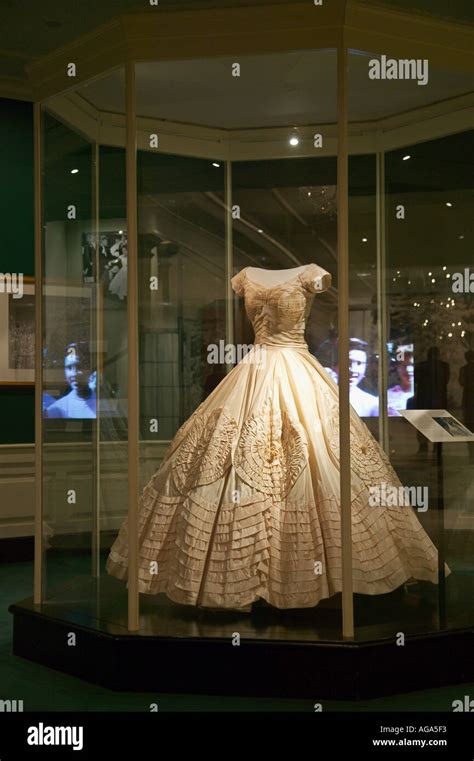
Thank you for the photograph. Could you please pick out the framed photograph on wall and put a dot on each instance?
(67, 318)
(17, 336)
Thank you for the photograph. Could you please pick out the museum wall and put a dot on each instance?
(16, 255)
(17, 248)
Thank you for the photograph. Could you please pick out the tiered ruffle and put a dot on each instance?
(245, 504)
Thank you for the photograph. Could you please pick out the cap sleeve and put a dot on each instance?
(316, 279)
(238, 282)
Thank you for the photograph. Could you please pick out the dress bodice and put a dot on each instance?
(278, 313)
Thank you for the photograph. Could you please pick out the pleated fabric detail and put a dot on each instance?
(246, 502)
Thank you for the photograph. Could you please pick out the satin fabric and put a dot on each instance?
(246, 502)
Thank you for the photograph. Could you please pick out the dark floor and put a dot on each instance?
(42, 689)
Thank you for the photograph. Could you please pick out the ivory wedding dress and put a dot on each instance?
(246, 502)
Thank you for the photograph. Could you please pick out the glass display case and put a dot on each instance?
(201, 484)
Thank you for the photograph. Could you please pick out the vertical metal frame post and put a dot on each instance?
(382, 321)
(39, 507)
(229, 302)
(132, 317)
(98, 339)
(343, 331)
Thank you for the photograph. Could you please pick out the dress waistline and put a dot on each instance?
(303, 346)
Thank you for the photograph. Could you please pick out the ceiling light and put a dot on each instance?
(461, 237)
(74, 171)
(294, 137)
(448, 203)
(364, 240)
(405, 158)
(214, 163)
(260, 231)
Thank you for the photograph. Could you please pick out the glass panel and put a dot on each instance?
(85, 351)
(110, 275)
(182, 289)
(237, 169)
(431, 309)
(68, 353)
(407, 240)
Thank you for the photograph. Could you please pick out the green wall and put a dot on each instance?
(18, 415)
(17, 246)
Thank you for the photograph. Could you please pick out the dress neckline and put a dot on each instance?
(279, 285)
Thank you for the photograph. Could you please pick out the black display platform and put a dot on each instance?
(177, 654)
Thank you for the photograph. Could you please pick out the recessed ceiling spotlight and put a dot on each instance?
(294, 138)
(461, 237)
(407, 157)
(120, 232)
(74, 171)
(448, 203)
(260, 231)
(214, 163)
(364, 240)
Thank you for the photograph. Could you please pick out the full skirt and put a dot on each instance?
(246, 502)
